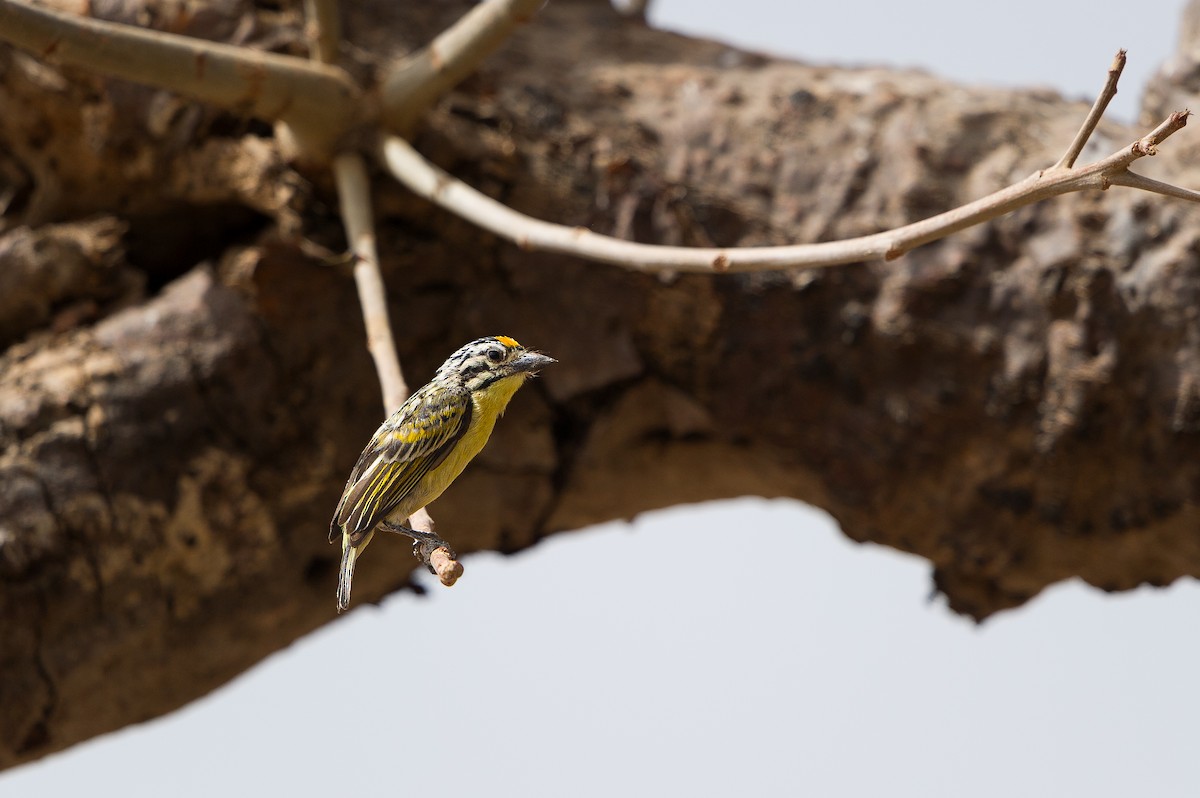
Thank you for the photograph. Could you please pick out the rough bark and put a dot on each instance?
(184, 388)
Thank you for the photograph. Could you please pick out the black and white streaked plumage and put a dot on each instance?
(425, 445)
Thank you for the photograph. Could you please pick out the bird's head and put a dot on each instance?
(485, 361)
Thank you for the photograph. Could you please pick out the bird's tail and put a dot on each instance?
(346, 575)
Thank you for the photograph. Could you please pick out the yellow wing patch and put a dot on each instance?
(412, 442)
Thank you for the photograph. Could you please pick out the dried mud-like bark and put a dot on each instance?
(1019, 404)
(62, 275)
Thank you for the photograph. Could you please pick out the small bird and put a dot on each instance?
(423, 447)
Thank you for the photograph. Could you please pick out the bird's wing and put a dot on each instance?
(414, 441)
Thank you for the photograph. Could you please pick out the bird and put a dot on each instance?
(424, 445)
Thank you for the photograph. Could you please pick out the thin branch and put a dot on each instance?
(323, 30)
(418, 80)
(441, 560)
(432, 183)
(1134, 180)
(354, 199)
(316, 100)
(1097, 111)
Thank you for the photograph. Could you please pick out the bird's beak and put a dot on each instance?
(530, 362)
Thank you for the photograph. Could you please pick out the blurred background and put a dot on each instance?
(574, 669)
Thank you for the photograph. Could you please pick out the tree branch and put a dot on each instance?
(1134, 180)
(435, 185)
(1097, 111)
(324, 30)
(420, 79)
(318, 102)
(354, 199)
(899, 379)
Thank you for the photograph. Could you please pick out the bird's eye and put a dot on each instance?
(495, 355)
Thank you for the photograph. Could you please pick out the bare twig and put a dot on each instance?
(441, 562)
(1097, 111)
(417, 81)
(432, 183)
(354, 195)
(324, 29)
(1134, 180)
(354, 198)
(317, 101)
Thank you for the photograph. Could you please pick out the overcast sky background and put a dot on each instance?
(567, 671)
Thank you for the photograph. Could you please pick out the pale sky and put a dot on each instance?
(568, 670)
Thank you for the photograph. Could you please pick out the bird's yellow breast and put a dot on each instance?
(488, 405)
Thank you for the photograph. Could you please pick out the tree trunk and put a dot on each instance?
(185, 386)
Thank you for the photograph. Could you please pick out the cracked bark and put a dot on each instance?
(1019, 404)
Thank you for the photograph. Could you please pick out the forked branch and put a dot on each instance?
(421, 78)
(1095, 113)
(434, 184)
(316, 100)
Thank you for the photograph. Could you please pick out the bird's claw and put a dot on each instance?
(423, 550)
(424, 543)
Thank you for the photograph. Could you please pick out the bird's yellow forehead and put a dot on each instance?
(511, 343)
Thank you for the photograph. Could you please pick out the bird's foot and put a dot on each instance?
(444, 565)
